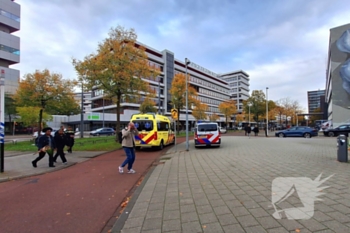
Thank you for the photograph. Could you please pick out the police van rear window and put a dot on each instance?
(207, 127)
(143, 125)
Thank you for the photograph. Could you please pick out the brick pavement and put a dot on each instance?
(228, 189)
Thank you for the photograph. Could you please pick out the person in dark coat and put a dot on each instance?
(46, 144)
(70, 138)
(60, 141)
(246, 130)
(249, 130)
(256, 130)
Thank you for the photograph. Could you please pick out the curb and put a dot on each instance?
(48, 171)
(36, 174)
(119, 224)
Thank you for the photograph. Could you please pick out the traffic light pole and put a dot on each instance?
(175, 135)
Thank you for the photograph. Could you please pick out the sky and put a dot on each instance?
(281, 44)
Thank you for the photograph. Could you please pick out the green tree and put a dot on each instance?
(46, 90)
(258, 104)
(117, 68)
(10, 107)
(29, 116)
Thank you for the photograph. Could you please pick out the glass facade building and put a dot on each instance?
(9, 43)
(212, 88)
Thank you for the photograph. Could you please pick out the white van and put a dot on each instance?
(207, 134)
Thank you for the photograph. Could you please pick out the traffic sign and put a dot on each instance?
(174, 114)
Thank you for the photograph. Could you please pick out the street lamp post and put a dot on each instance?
(82, 112)
(267, 112)
(249, 105)
(103, 112)
(187, 142)
(2, 121)
(296, 113)
(159, 112)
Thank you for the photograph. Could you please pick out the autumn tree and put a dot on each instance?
(47, 91)
(148, 105)
(10, 107)
(214, 117)
(199, 112)
(117, 68)
(240, 117)
(30, 116)
(178, 93)
(288, 107)
(228, 108)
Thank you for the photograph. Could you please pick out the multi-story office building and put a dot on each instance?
(86, 101)
(314, 100)
(212, 90)
(9, 44)
(338, 75)
(238, 82)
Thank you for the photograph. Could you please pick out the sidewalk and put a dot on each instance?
(18, 164)
(228, 189)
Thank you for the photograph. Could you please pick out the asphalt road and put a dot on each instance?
(82, 198)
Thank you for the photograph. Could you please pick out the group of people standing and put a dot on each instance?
(49, 144)
(248, 129)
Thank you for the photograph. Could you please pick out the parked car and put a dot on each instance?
(207, 134)
(102, 131)
(223, 130)
(326, 125)
(300, 131)
(342, 129)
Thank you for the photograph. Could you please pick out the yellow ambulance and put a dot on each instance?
(154, 130)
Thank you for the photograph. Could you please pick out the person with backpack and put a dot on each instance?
(46, 144)
(70, 138)
(128, 144)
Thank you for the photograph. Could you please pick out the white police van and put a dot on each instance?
(207, 134)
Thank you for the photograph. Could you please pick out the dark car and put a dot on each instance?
(342, 129)
(102, 131)
(300, 131)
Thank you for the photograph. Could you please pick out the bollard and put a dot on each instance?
(342, 143)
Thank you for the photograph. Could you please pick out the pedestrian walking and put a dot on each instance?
(46, 144)
(70, 138)
(60, 141)
(62, 127)
(249, 130)
(246, 130)
(128, 144)
(256, 130)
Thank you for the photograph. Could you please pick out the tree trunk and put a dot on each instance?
(117, 129)
(177, 121)
(40, 120)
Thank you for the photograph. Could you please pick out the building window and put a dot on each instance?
(9, 15)
(9, 49)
